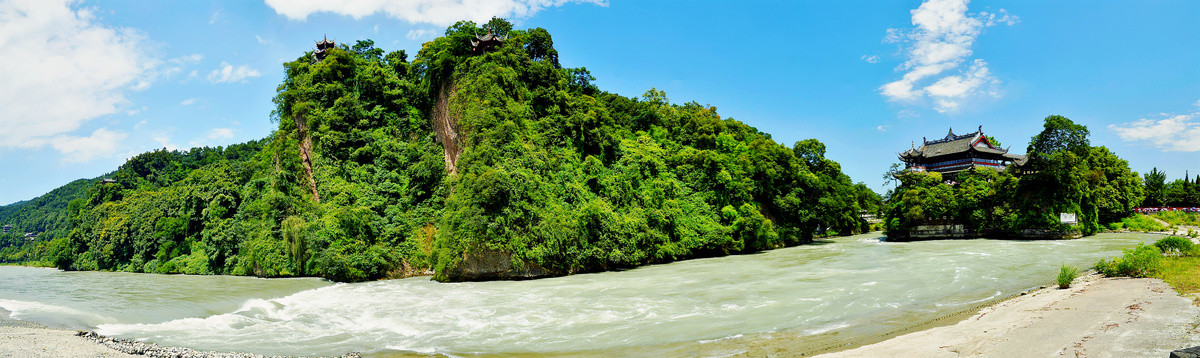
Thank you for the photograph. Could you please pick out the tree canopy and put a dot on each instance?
(1064, 175)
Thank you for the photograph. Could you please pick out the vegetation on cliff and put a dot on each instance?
(500, 164)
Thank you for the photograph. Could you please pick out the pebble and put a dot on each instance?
(129, 346)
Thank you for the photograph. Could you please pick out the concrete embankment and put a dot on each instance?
(1096, 317)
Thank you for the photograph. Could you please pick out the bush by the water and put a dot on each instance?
(1066, 274)
(1176, 245)
(1140, 261)
(1139, 222)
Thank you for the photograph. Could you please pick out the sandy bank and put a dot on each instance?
(43, 342)
(1096, 317)
(30, 340)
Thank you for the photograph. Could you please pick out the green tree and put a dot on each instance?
(1156, 187)
(1058, 134)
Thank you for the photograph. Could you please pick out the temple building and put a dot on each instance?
(485, 43)
(7, 228)
(323, 47)
(956, 153)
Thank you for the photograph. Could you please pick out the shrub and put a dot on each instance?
(1176, 245)
(1141, 261)
(1066, 274)
(1141, 222)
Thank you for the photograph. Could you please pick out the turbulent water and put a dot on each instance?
(841, 288)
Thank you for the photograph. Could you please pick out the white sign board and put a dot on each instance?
(1067, 218)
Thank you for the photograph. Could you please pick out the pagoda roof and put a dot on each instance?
(486, 42)
(956, 143)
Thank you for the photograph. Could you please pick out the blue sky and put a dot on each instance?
(88, 84)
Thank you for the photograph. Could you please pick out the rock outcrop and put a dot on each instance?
(445, 125)
(490, 264)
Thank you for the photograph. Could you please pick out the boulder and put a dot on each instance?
(1193, 352)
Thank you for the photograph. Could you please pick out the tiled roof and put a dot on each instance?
(953, 143)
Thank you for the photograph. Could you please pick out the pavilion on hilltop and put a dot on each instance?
(323, 48)
(956, 153)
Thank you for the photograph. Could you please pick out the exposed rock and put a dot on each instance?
(1193, 352)
(489, 264)
(445, 125)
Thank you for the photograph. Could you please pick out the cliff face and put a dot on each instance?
(445, 125)
(306, 147)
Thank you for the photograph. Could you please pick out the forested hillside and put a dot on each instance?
(45, 216)
(471, 163)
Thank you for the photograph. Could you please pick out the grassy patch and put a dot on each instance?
(1178, 217)
(1139, 222)
(1182, 273)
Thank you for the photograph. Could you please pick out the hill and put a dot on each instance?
(475, 163)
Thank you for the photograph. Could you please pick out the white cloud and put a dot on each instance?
(260, 39)
(139, 125)
(216, 16)
(227, 73)
(436, 12)
(189, 101)
(189, 59)
(941, 41)
(883, 128)
(220, 133)
(870, 59)
(1175, 133)
(102, 143)
(1003, 17)
(63, 68)
(417, 34)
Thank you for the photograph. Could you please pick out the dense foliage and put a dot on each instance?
(382, 167)
(1064, 174)
(1183, 192)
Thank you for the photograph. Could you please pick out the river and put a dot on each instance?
(836, 291)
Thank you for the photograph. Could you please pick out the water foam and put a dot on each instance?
(63, 316)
